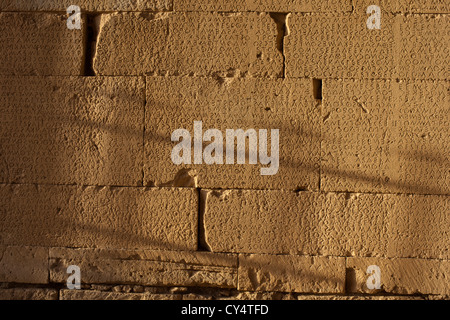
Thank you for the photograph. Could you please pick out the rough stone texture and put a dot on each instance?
(23, 265)
(312, 296)
(99, 295)
(222, 104)
(291, 274)
(423, 6)
(85, 150)
(422, 45)
(195, 297)
(341, 46)
(338, 46)
(86, 5)
(154, 268)
(438, 297)
(413, 6)
(259, 296)
(188, 43)
(28, 294)
(400, 276)
(417, 226)
(307, 223)
(405, 6)
(385, 136)
(66, 130)
(40, 44)
(264, 5)
(108, 217)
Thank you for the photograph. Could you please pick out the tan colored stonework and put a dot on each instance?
(404, 6)
(66, 130)
(341, 46)
(291, 274)
(378, 137)
(103, 217)
(200, 44)
(277, 222)
(23, 265)
(400, 276)
(86, 5)
(99, 295)
(150, 268)
(264, 5)
(28, 294)
(40, 44)
(413, 6)
(286, 105)
(89, 174)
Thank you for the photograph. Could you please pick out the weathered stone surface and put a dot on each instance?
(28, 294)
(85, 162)
(338, 46)
(23, 265)
(195, 297)
(400, 276)
(404, 6)
(108, 217)
(152, 268)
(438, 297)
(40, 44)
(418, 226)
(413, 6)
(99, 295)
(277, 222)
(423, 6)
(86, 5)
(286, 105)
(188, 44)
(291, 274)
(259, 296)
(341, 46)
(385, 136)
(264, 5)
(422, 47)
(67, 130)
